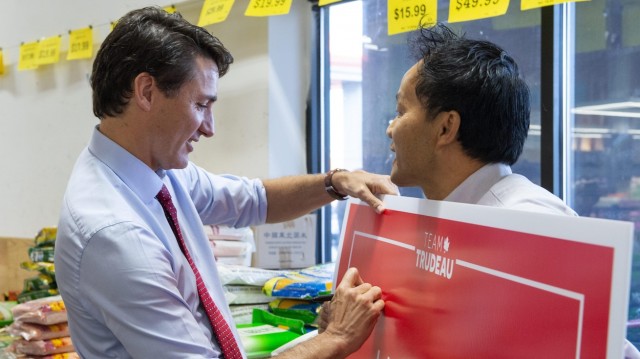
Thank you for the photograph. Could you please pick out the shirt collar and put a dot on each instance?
(135, 174)
(479, 183)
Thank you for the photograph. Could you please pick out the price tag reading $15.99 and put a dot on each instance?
(465, 10)
(407, 15)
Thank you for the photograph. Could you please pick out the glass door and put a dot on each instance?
(604, 165)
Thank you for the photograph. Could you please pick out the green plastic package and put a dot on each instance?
(268, 332)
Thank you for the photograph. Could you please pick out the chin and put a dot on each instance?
(399, 181)
(180, 164)
(395, 178)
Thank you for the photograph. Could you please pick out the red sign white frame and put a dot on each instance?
(463, 280)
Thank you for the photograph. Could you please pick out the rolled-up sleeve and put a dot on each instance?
(226, 199)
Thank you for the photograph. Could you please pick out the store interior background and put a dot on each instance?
(47, 119)
(46, 115)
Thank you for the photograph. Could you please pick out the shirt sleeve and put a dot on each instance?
(131, 288)
(225, 199)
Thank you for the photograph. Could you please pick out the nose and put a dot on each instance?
(389, 128)
(207, 127)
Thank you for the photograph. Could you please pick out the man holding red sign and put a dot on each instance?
(462, 118)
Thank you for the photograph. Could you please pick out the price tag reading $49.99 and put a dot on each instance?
(465, 10)
(407, 15)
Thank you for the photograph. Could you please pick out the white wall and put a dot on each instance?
(46, 116)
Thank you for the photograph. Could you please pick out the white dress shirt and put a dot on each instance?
(127, 287)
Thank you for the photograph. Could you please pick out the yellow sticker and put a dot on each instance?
(49, 50)
(466, 10)
(214, 11)
(268, 7)
(80, 44)
(28, 56)
(407, 15)
(327, 2)
(1, 62)
(170, 9)
(532, 4)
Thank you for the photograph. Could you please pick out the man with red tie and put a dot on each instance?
(133, 263)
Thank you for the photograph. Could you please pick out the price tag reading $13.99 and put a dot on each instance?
(465, 10)
(407, 15)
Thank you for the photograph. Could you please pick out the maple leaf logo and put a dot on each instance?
(446, 244)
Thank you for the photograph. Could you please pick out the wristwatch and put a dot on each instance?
(328, 185)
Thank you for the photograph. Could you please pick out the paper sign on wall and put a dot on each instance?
(214, 11)
(290, 244)
(268, 7)
(469, 281)
(466, 10)
(28, 56)
(1, 62)
(407, 15)
(80, 44)
(49, 50)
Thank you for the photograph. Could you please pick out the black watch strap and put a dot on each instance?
(328, 185)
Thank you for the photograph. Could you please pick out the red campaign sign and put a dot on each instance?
(465, 281)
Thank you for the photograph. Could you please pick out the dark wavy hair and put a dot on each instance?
(154, 41)
(480, 81)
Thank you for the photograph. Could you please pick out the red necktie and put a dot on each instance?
(221, 329)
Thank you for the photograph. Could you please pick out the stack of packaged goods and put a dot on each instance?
(6, 318)
(243, 289)
(231, 245)
(294, 295)
(42, 330)
(41, 261)
(291, 312)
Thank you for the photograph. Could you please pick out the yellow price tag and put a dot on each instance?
(327, 2)
(49, 50)
(407, 15)
(170, 9)
(532, 4)
(466, 10)
(28, 56)
(80, 44)
(268, 7)
(214, 11)
(1, 63)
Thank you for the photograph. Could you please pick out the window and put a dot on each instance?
(604, 166)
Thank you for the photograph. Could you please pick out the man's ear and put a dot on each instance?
(143, 90)
(449, 124)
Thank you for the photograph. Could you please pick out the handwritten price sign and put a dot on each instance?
(214, 11)
(28, 56)
(80, 44)
(465, 10)
(268, 7)
(407, 15)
